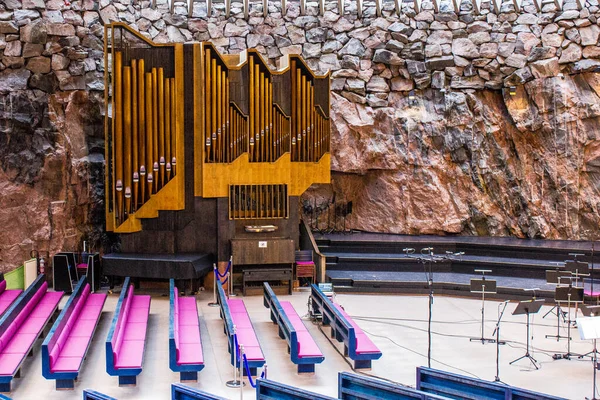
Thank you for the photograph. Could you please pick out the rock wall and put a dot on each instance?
(461, 156)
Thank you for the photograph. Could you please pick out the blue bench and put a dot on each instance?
(352, 386)
(65, 347)
(185, 346)
(126, 340)
(21, 325)
(234, 313)
(302, 347)
(357, 344)
(456, 386)
(269, 390)
(182, 392)
(3, 397)
(93, 395)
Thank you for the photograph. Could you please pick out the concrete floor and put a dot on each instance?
(396, 324)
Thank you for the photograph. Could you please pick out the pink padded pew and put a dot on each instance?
(65, 347)
(185, 346)
(127, 336)
(7, 296)
(364, 345)
(21, 325)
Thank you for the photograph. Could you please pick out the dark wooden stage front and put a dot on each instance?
(373, 262)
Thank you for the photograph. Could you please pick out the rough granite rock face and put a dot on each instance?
(462, 157)
(472, 162)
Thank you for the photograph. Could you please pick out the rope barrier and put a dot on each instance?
(246, 366)
(226, 270)
(219, 276)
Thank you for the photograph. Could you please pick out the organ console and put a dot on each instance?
(200, 145)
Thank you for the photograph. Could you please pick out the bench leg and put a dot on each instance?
(281, 335)
(65, 384)
(362, 364)
(18, 374)
(5, 387)
(127, 380)
(345, 351)
(273, 317)
(188, 376)
(252, 371)
(306, 368)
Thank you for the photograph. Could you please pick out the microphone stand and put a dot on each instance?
(498, 342)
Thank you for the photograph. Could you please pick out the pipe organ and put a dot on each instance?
(199, 144)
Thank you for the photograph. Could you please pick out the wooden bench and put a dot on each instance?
(21, 325)
(302, 348)
(463, 387)
(357, 344)
(7, 296)
(65, 347)
(127, 336)
(182, 392)
(93, 395)
(352, 386)
(234, 313)
(269, 390)
(185, 346)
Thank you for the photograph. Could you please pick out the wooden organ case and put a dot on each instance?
(207, 155)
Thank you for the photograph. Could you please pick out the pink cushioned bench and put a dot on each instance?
(245, 334)
(306, 344)
(65, 348)
(21, 325)
(185, 346)
(7, 296)
(127, 336)
(357, 345)
(303, 350)
(364, 345)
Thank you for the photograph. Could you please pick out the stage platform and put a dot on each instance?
(372, 262)
(157, 266)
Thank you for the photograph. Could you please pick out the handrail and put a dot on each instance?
(308, 242)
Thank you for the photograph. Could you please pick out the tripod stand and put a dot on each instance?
(498, 342)
(589, 327)
(483, 286)
(568, 294)
(554, 277)
(528, 307)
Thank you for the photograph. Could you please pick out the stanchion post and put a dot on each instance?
(216, 275)
(242, 372)
(235, 382)
(231, 294)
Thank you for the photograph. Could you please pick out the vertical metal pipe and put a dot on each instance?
(219, 105)
(168, 127)
(161, 126)
(149, 132)
(174, 154)
(118, 113)
(155, 128)
(213, 85)
(252, 111)
(134, 134)
(207, 109)
(127, 145)
(142, 129)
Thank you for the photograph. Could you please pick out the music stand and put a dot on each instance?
(554, 277)
(577, 268)
(483, 286)
(589, 311)
(528, 307)
(589, 329)
(568, 294)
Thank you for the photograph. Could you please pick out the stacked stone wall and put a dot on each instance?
(461, 156)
